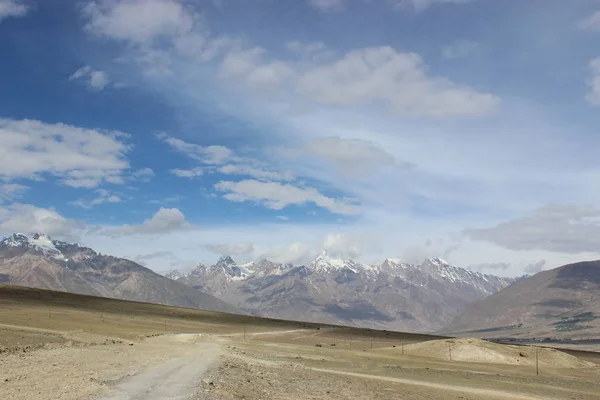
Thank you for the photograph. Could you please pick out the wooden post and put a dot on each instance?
(450, 351)
(537, 368)
(244, 332)
(402, 348)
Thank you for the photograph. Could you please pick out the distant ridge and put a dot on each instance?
(562, 302)
(38, 261)
(389, 295)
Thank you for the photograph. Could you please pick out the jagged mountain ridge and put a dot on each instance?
(38, 261)
(392, 294)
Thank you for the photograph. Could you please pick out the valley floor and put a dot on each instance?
(134, 351)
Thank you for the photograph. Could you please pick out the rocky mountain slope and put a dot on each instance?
(563, 302)
(38, 261)
(391, 295)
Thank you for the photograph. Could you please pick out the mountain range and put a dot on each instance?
(38, 261)
(390, 295)
(432, 296)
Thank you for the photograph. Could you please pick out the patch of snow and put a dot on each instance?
(36, 242)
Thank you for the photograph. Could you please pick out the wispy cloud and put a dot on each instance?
(143, 174)
(165, 220)
(459, 48)
(594, 82)
(12, 8)
(327, 5)
(205, 154)
(103, 196)
(11, 191)
(591, 23)
(565, 228)
(97, 80)
(277, 196)
(78, 157)
(231, 249)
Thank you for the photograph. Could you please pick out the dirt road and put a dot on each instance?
(172, 380)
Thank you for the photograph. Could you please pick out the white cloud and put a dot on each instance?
(188, 173)
(103, 196)
(327, 5)
(11, 191)
(95, 79)
(165, 220)
(204, 154)
(143, 174)
(294, 253)
(420, 5)
(98, 79)
(138, 21)
(381, 75)
(172, 199)
(337, 245)
(249, 66)
(561, 228)
(594, 83)
(349, 247)
(534, 268)
(316, 51)
(258, 173)
(231, 249)
(78, 157)
(493, 268)
(298, 47)
(28, 219)
(143, 259)
(12, 8)
(277, 196)
(282, 217)
(591, 23)
(459, 48)
(352, 155)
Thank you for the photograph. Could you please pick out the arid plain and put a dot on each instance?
(63, 346)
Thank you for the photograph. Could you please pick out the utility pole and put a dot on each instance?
(537, 367)
(450, 351)
(244, 332)
(402, 348)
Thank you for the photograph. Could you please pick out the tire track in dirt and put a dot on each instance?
(173, 380)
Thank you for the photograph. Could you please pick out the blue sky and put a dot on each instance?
(173, 131)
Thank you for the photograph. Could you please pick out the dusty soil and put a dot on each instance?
(477, 350)
(81, 371)
(260, 369)
(74, 347)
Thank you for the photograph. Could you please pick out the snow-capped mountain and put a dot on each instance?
(392, 294)
(38, 261)
(36, 242)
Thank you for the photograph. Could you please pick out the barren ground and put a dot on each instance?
(59, 346)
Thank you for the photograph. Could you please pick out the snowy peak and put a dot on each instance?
(225, 261)
(176, 274)
(438, 262)
(323, 263)
(37, 242)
